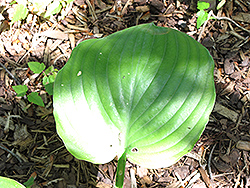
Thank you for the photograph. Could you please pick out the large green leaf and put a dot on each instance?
(7, 182)
(146, 92)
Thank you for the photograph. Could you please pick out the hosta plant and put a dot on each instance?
(10, 183)
(144, 94)
(7, 182)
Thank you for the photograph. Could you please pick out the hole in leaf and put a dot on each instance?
(79, 73)
(134, 150)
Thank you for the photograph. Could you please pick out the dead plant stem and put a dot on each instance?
(219, 18)
(6, 149)
(209, 162)
(11, 75)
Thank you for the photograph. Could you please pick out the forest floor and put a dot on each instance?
(221, 157)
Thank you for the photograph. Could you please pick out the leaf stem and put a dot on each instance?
(120, 170)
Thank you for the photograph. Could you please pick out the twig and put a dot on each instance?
(224, 174)
(133, 179)
(238, 177)
(246, 162)
(11, 75)
(91, 10)
(7, 124)
(205, 177)
(218, 18)
(204, 25)
(60, 56)
(8, 60)
(193, 180)
(54, 181)
(228, 19)
(180, 180)
(129, 2)
(209, 162)
(35, 41)
(6, 149)
(33, 22)
(189, 179)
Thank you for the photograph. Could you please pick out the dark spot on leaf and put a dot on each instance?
(189, 127)
(134, 150)
(123, 77)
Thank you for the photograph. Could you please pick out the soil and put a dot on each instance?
(30, 146)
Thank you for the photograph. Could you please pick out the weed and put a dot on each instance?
(48, 79)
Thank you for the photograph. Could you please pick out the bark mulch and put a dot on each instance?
(29, 143)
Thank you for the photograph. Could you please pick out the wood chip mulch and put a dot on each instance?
(29, 143)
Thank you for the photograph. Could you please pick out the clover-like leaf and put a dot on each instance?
(48, 82)
(7, 182)
(20, 13)
(20, 90)
(36, 99)
(144, 93)
(54, 8)
(36, 67)
(202, 5)
(202, 17)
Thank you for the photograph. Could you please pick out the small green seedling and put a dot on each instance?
(20, 90)
(202, 13)
(36, 67)
(144, 94)
(31, 180)
(49, 79)
(36, 99)
(49, 76)
(20, 13)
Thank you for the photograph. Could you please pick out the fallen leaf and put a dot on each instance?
(205, 177)
(224, 111)
(229, 66)
(243, 145)
(56, 34)
(242, 17)
(222, 166)
(103, 185)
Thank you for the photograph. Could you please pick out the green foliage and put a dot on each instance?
(36, 67)
(31, 180)
(20, 90)
(20, 13)
(35, 98)
(29, 183)
(53, 8)
(144, 93)
(202, 5)
(49, 79)
(7, 182)
(121, 170)
(46, 8)
(49, 76)
(202, 13)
